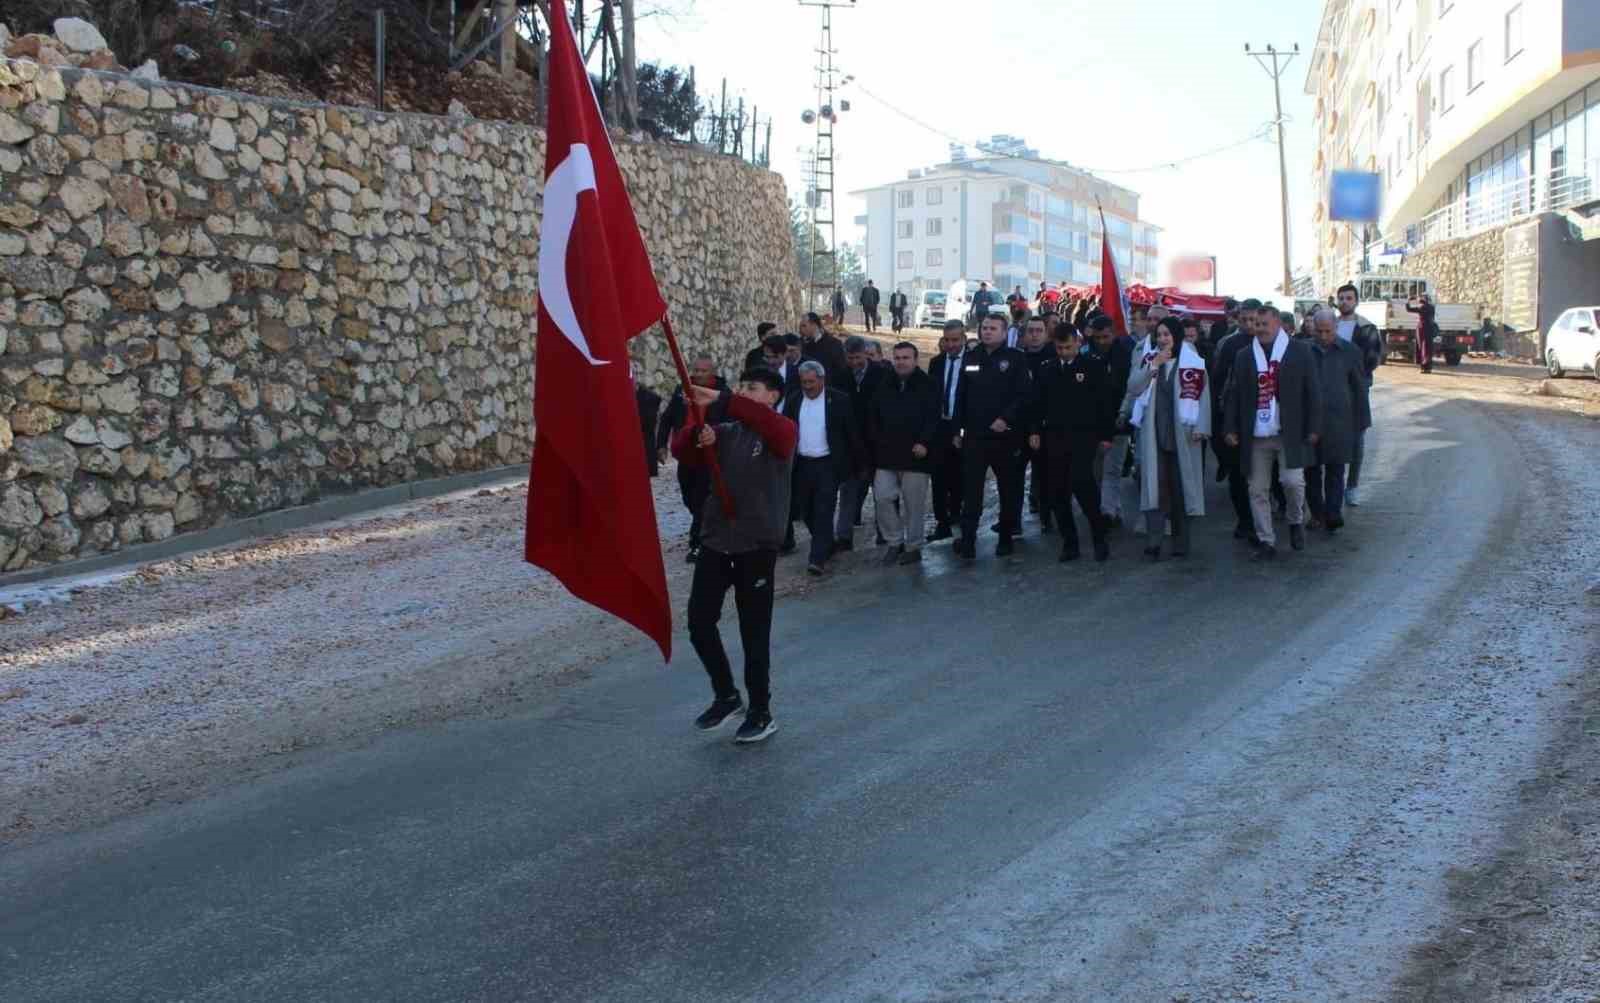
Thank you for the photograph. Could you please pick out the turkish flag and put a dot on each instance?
(1113, 299)
(591, 517)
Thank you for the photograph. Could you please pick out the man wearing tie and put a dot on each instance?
(945, 370)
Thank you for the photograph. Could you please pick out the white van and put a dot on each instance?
(958, 301)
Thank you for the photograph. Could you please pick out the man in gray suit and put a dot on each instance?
(1274, 413)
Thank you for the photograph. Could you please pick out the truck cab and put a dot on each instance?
(1383, 300)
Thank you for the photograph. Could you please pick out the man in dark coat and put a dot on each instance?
(1074, 415)
(1038, 349)
(819, 346)
(1274, 414)
(945, 372)
(1116, 351)
(992, 411)
(1369, 341)
(830, 452)
(902, 428)
(1221, 367)
(1341, 379)
(869, 305)
(649, 403)
(756, 357)
(862, 380)
(897, 310)
(694, 482)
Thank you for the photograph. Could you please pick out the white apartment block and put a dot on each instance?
(1473, 112)
(1009, 221)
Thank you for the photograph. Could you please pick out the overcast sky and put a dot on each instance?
(1106, 86)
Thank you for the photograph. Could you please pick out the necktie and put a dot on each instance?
(951, 368)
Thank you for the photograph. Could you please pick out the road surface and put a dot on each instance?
(1008, 780)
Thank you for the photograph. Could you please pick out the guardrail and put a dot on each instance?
(1566, 187)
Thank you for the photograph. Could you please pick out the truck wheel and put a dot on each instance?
(1452, 358)
(1553, 364)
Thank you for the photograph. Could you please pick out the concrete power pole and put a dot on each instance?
(1275, 62)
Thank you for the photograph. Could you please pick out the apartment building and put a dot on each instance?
(1011, 220)
(1473, 112)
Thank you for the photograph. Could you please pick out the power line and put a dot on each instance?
(1260, 133)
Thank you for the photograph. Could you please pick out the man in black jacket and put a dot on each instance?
(1074, 415)
(897, 310)
(991, 409)
(861, 381)
(1221, 367)
(902, 427)
(1369, 340)
(945, 372)
(756, 357)
(1037, 348)
(694, 482)
(1116, 351)
(830, 452)
(869, 305)
(819, 346)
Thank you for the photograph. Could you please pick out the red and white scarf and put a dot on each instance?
(1191, 383)
(1267, 420)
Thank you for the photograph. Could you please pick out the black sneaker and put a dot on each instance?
(892, 555)
(1102, 551)
(1243, 532)
(1297, 537)
(1005, 547)
(941, 532)
(758, 727)
(718, 712)
(1069, 554)
(965, 549)
(911, 557)
(814, 570)
(1265, 552)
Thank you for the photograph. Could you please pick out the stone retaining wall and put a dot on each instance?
(1469, 270)
(214, 305)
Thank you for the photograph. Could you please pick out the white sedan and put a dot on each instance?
(1573, 342)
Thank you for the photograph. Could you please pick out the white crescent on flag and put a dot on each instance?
(573, 175)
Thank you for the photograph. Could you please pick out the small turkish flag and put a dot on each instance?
(591, 517)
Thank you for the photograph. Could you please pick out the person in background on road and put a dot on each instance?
(1427, 330)
(946, 373)
(1274, 415)
(755, 449)
(830, 453)
(1073, 417)
(1017, 300)
(862, 381)
(1037, 349)
(869, 305)
(1116, 351)
(756, 357)
(1342, 385)
(840, 305)
(1368, 340)
(694, 481)
(981, 301)
(897, 310)
(991, 408)
(1171, 407)
(1048, 299)
(1221, 369)
(821, 347)
(902, 428)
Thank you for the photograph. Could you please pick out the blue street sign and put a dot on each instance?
(1353, 197)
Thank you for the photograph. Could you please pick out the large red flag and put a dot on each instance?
(1113, 298)
(591, 518)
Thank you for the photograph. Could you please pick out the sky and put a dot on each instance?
(1105, 86)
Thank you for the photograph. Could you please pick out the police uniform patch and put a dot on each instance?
(1080, 377)
(1003, 365)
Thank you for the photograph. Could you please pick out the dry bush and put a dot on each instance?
(136, 30)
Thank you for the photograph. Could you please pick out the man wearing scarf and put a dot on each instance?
(1274, 413)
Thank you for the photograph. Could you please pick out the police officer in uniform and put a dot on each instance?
(1074, 416)
(992, 404)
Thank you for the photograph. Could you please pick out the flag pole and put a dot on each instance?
(696, 418)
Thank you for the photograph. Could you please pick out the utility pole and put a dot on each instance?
(1275, 62)
(824, 251)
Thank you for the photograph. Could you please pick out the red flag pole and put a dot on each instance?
(696, 418)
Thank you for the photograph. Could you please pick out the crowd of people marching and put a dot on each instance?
(1053, 402)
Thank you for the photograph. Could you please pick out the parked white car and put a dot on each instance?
(929, 309)
(1573, 342)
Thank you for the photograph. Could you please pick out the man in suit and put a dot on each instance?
(756, 357)
(1274, 414)
(775, 356)
(869, 305)
(1368, 339)
(861, 381)
(1074, 414)
(1221, 367)
(897, 310)
(945, 371)
(830, 452)
(819, 346)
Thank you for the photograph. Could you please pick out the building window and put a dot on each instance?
(1475, 66)
(935, 196)
(1513, 32)
(1447, 89)
(904, 229)
(935, 257)
(906, 198)
(935, 227)
(905, 259)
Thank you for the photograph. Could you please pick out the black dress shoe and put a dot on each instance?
(1243, 532)
(1102, 551)
(1005, 547)
(1265, 552)
(1068, 554)
(941, 533)
(1152, 553)
(965, 549)
(1297, 537)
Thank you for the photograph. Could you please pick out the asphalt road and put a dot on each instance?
(1008, 780)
